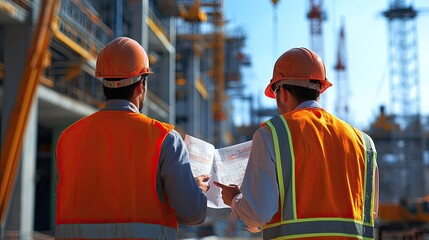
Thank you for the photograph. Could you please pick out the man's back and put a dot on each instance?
(119, 174)
(113, 166)
(325, 171)
(330, 156)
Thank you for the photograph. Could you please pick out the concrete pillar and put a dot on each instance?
(139, 31)
(172, 71)
(165, 87)
(192, 72)
(28, 173)
(16, 41)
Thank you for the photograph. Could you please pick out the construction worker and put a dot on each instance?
(310, 174)
(124, 175)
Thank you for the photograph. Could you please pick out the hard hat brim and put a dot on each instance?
(268, 92)
(296, 82)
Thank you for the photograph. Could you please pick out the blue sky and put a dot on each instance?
(366, 42)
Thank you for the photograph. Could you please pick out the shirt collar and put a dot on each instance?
(309, 104)
(120, 105)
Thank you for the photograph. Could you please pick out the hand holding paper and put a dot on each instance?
(225, 165)
(228, 192)
(202, 182)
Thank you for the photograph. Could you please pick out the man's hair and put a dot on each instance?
(120, 93)
(302, 93)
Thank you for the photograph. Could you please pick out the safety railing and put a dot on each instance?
(158, 101)
(161, 21)
(80, 28)
(79, 21)
(84, 88)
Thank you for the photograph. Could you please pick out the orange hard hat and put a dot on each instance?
(122, 58)
(297, 67)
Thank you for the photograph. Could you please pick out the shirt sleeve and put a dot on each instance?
(258, 201)
(175, 177)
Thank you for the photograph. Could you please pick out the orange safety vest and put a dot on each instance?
(325, 171)
(108, 165)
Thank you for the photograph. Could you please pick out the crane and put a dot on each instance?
(342, 107)
(316, 15)
(218, 49)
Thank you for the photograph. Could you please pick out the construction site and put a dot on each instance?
(48, 53)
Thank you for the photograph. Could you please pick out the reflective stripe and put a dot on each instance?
(319, 227)
(114, 230)
(290, 227)
(286, 180)
(370, 156)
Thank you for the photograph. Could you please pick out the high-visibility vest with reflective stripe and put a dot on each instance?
(325, 171)
(108, 166)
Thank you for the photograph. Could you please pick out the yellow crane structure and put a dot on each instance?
(218, 51)
(36, 61)
(209, 11)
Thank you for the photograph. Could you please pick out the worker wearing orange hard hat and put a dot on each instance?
(310, 174)
(123, 175)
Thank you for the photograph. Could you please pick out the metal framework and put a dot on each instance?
(407, 144)
(316, 15)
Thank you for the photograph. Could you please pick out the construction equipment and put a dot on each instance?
(193, 13)
(409, 218)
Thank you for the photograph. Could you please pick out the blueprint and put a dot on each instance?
(226, 165)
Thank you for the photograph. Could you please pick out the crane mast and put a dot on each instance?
(342, 85)
(316, 15)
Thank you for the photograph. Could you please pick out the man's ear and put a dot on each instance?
(284, 94)
(139, 88)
